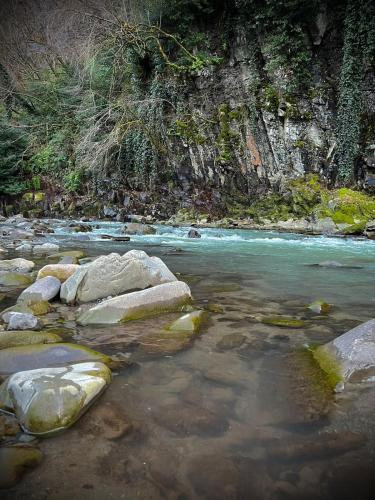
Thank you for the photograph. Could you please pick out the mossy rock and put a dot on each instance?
(15, 279)
(191, 322)
(320, 307)
(40, 308)
(76, 254)
(214, 308)
(329, 365)
(26, 337)
(28, 197)
(283, 322)
(39, 197)
(355, 229)
(166, 343)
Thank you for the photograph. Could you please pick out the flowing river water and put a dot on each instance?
(242, 413)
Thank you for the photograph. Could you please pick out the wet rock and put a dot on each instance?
(283, 321)
(15, 461)
(370, 230)
(185, 419)
(60, 271)
(49, 400)
(15, 279)
(24, 248)
(191, 322)
(137, 228)
(231, 341)
(159, 299)
(18, 338)
(17, 265)
(214, 308)
(45, 249)
(74, 254)
(80, 228)
(350, 357)
(32, 357)
(320, 307)
(334, 264)
(39, 308)
(20, 321)
(44, 289)
(69, 288)
(166, 343)
(8, 426)
(193, 233)
(134, 270)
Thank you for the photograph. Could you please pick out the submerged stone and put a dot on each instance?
(49, 400)
(15, 461)
(31, 357)
(15, 279)
(283, 321)
(231, 341)
(167, 343)
(24, 337)
(320, 307)
(350, 357)
(169, 297)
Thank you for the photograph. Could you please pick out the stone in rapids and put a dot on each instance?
(169, 297)
(49, 400)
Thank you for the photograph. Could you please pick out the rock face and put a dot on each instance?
(20, 321)
(137, 228)
(60, 271)
(32, 357)
(350, 357)
(17, 338)
(159, 299)
(114, 274)
(50, 400)
(44, 289)
(17, 265)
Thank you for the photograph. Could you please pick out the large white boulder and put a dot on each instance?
(350, 357)
(44, 289)
(60, 271)
(49, 400)
(20, 265)
(114, 274)
(137, 305)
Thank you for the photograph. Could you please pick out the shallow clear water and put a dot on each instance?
(247, 417)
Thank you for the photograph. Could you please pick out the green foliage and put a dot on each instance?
(12, 148)
(228, 137)
(72, 181)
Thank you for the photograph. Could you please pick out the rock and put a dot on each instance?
(44, 289)
(46, 248)
(39, 308)
(8, 426)
(350, 357)
(134, 270)
(13, 339)
(75, 254)
(185, 419)
(49, 400)
(15, 279)
(69, 288)
(80, 228)
(320, 307)
(283, 321)
(370, 230)
(190, 322)
(60, 271)
(20, 321)
(15, 461)
(136, 228)
(120, 238)
(16, 265)
(193, 233)
(156, 300)
(32, 357)
(24, 248)
(166, 343)
(231, 341)
(109, 421)
(109, 212)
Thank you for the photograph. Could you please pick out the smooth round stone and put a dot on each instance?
(31, 357)
(44, 289)
(15, 279)
(60, 271)
(21, 265)
(50, 400)
(15, 461)
(21, 321)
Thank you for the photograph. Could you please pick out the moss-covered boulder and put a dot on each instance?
(31, 357)
(283, 321)
(26, 337)
(15, 461)
(49, 400)
(17, 280)
(191, 322)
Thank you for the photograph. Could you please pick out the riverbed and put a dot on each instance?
(243, 413)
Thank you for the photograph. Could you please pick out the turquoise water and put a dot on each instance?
(242, 413)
